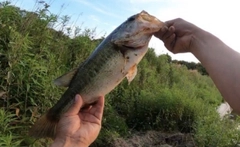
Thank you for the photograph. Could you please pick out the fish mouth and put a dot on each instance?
(136, 32)
(138, 40)
(131, 47)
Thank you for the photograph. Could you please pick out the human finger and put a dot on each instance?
(97, 109)
(161, 32)
(168, 33)
(76, 106)
(170, 42)
(169, 22)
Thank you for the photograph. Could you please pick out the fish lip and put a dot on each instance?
(130, 47)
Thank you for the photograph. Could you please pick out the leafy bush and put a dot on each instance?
(7, 128)
(212, 132)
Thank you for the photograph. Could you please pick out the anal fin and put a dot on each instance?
(131, 73)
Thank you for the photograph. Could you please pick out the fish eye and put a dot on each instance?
(131, 18)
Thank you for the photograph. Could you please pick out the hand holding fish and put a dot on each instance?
(220, 61)
(178, 35)
(114, 59)
(79, 128)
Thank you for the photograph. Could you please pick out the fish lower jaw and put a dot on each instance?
(130, 47)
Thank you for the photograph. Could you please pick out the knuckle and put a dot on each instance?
(179, 19)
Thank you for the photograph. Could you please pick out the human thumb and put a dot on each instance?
(76, 106)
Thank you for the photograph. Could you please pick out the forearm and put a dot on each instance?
(222, 64)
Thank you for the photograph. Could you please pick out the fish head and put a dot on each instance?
(136, 31)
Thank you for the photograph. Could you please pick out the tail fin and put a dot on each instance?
(43, 128)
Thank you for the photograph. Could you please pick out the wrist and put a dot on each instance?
(66, 142)
(199, 40)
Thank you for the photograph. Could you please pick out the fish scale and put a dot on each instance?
(86, 73)
(115, 58)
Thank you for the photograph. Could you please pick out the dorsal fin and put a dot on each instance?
(65, 79)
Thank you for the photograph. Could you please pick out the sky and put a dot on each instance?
(219, 17)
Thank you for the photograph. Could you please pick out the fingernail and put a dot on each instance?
(76, 98)
(171, 28)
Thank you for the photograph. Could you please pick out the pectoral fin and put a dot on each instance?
(65, 79)
(131, 73)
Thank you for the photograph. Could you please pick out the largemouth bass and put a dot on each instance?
(115, 58)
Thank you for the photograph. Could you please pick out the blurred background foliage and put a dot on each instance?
(166, 95)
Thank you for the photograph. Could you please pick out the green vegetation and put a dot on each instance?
(192, 66)
(164, 96)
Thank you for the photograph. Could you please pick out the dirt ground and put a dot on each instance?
(156, 139)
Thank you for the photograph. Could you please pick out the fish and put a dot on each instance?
(114, 59)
